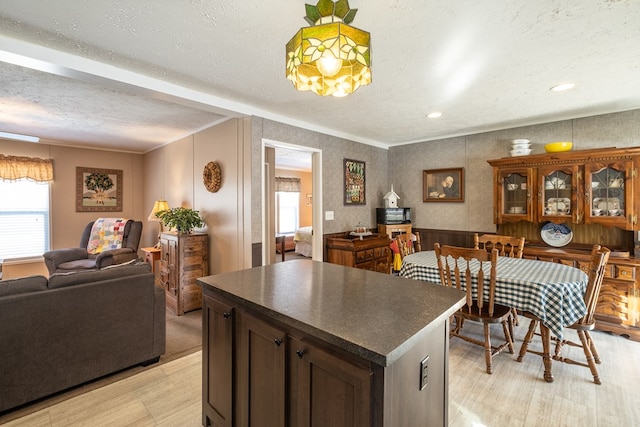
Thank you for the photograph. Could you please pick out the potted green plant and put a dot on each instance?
(183, 220)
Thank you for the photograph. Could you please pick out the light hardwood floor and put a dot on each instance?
(514, 395)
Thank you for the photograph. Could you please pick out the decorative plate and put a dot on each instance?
(606, 204)
(556, 235)
(212, 176)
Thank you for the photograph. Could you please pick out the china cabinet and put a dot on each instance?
(580, 187)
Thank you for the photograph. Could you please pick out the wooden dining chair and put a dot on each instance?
(507, 246)
(456, 264)
(599, 259)
(408, 243)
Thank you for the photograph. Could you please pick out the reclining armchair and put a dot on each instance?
(81, 258)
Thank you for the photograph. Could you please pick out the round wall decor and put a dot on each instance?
(212, 176)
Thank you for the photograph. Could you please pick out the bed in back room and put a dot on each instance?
(303, 241)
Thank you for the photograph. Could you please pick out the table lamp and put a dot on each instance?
(158, 206)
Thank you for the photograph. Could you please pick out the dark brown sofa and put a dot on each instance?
(76, 327)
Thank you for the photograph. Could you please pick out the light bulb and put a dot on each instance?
(328, 64)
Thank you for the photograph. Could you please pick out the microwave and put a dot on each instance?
(393, 215)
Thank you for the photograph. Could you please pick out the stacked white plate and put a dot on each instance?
(520, 147)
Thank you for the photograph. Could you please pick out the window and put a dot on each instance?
(287, 212)
(24, 219)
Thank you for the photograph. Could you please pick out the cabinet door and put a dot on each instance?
(326, 390)
(560, 200)
(514, 195)
(217, 363)
(609, 194)
(260, 373)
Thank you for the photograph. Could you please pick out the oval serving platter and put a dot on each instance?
(556, 235)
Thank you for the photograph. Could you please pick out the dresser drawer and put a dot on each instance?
(624, 272)
(364, 255)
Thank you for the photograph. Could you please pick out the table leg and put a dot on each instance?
(546, 352)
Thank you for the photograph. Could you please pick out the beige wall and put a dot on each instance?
(174, 172)
(66, 223)
(305, 188)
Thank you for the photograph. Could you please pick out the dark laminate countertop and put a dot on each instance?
(375, 316)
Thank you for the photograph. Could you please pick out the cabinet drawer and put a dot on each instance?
(381, 252)
(613, 302)
(625, 272)
(364, 255)
(367, 265)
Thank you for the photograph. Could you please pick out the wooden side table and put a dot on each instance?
(151, 255)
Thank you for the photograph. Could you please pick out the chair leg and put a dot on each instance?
(507, 328)
(592, 346)
(527, 339)
(515, 321)
(546, 352)
(487, 348)
(587, 353)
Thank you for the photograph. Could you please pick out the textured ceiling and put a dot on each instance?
(137, 74)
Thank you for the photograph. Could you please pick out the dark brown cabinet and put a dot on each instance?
(217, 385)
(260, 372)
(183, 258)
(291, 344)
(275, 371)
(346, 388)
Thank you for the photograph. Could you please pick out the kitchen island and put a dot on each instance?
(307, 343)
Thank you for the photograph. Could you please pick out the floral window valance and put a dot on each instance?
(13, 168)
(290, 185)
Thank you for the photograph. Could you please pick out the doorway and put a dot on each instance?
(280, 155)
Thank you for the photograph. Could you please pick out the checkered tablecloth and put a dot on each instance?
(553, 292)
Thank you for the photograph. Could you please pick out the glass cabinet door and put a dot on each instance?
(558, 202)
(515, 195)
(609, 195)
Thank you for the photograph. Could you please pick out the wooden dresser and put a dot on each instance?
(183, 259)
(369, 253)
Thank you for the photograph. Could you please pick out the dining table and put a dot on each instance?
(552, 292)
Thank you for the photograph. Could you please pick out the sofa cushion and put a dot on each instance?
(61, 280)
(79, 264)
(22, 285)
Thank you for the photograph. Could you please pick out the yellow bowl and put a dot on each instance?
(557, 147)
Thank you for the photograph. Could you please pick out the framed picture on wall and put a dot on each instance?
(98, 190)
(354, 182)
(443, 185)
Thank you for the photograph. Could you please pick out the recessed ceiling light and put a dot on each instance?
(434, 115)
(563, 86)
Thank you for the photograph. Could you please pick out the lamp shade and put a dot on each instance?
(329, 57)
(158, 206)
